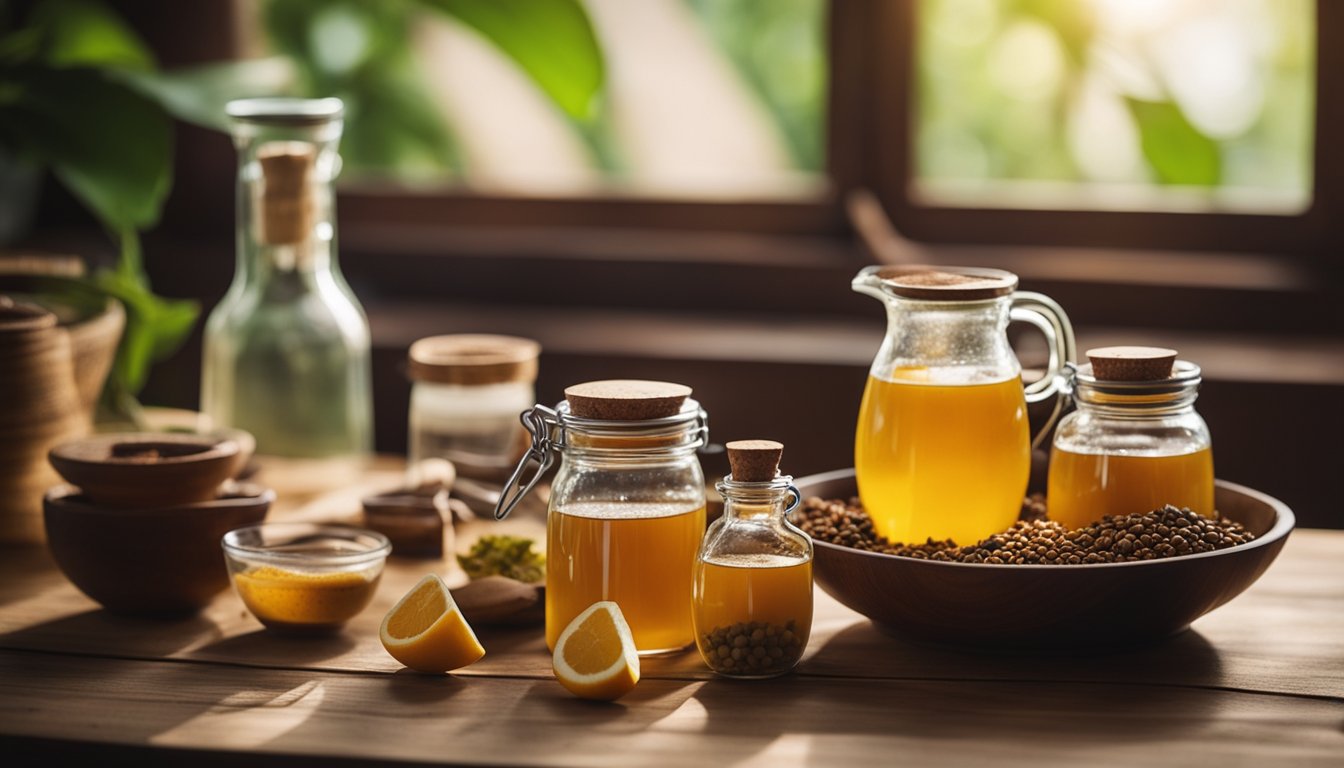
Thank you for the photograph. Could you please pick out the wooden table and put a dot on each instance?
(1257, 682)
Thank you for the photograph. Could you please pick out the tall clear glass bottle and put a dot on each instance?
(287, 354)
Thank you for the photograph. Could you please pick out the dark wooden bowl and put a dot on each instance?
(1073, 607)
(148, 469)
(161, 560)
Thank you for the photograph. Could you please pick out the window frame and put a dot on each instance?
(1313, 233)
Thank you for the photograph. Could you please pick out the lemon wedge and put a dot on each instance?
(426, 632)
(595, 657)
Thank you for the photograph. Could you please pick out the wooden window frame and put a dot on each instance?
(1313, 233)
(869, 144)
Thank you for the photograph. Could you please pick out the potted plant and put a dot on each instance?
(81, 97)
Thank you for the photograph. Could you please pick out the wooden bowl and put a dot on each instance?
(148, 560)
(1067, 607)
(147, 469)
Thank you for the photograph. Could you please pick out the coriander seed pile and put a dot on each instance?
(1035, 539)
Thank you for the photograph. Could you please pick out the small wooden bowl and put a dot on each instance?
(148, 560)
(147, 469)
(1076, 608)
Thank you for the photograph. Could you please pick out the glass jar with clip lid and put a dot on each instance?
(753, 576)
(1135, 443)
(627, 505)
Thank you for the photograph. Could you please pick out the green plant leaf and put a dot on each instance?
(199, 94)
(552, 40)
(85, 33)
(391, 123)
(110, 146)
(155, 327)
(1176, 150)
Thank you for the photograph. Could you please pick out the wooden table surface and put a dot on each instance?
(1259, 682)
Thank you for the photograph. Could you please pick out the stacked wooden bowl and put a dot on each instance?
(40, 407)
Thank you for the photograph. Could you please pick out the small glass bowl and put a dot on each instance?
(302, 576)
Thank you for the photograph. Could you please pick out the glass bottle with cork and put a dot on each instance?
(287, 354)
(1135, 443)
(627, 505)
(753, 574)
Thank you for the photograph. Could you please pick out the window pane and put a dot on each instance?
(1201, 105)
(702, 98)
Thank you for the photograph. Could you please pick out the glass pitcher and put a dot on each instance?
(942, 449)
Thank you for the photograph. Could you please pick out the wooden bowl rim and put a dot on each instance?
(215, 449)
(1284, 521)
(71, 498)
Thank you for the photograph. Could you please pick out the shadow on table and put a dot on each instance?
(862, 650)
(100, 633)
(269, 648)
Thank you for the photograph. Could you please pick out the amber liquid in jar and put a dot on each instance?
(939, 455)
(765, 599)
(1085, 487)
(639, 555)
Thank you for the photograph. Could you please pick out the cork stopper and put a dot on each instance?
(473, 359)
(754, 461)
(1131, 363)
(939, 283)
(626, 399)
(287, 205)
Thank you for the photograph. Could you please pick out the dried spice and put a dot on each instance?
(1037, 540)
(753, 648)
(502, 555)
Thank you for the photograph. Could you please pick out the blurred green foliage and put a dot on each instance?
(66, 105)
(779, 47)
(358, 51)
(982, 113)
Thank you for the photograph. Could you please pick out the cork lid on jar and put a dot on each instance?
(943, 283)
(754, 461)
(473, 359)
(1131, 363)
(626, 399)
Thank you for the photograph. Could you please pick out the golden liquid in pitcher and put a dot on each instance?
(941, 460)
(1084, 487)
(641, 556)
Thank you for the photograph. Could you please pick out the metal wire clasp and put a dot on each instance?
(539, 421)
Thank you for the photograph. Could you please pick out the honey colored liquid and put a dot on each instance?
(941, 461)
(641, 556)
(769, 593)
(1084, 487)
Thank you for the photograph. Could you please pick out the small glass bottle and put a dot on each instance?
(627, 506)
(1135, 443)
(467, 392)
(287, 354)
(753, 575)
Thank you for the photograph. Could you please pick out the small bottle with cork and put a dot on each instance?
(1135, 442)
(753, 574)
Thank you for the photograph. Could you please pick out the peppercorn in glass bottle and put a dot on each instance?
(1135, 444)
(753, 574)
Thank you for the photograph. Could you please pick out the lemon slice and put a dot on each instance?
(595, 657)
(426, 632)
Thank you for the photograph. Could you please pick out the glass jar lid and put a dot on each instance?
(473, 359)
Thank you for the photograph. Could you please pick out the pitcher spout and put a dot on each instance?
(869, 283)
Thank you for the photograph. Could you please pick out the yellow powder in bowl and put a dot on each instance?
(284, 599)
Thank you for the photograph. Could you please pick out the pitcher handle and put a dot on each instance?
(1049, 317)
